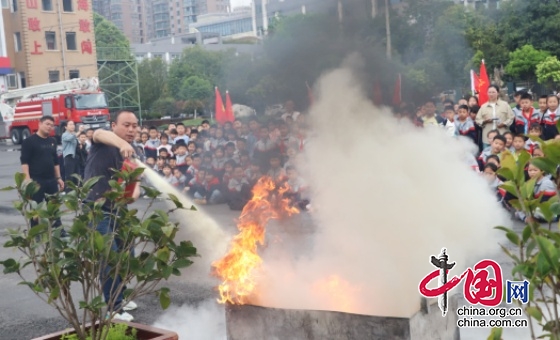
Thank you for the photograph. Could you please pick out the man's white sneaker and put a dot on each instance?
(124, 316)
(131, 305)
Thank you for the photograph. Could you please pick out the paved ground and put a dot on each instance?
(23, 316)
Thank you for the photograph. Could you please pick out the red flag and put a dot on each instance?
(483, 85)
(474, 82)
(229, 108)
(377, 95)
(397, 92)
(310, 96)
(221, 117)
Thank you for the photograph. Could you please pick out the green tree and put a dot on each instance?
(198, 62)
(165, 107)
(533, 22)
(107, 34)
(195, 88)
(548, 71)
(152, 79)
(523, 62)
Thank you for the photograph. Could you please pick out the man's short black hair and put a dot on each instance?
(464, 107)
(152, 128)
(45, 118)
(205, 122)
(544, 96)
(118, 114)
(179, 124)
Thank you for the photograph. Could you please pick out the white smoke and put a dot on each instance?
(388, 196)
(208, 237)
(203, 322)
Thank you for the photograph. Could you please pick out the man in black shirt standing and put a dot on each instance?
(39, 162)
(108, 151)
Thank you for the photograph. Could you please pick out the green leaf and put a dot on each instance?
(528, 188)
(55, 294)
(549, 251)
(510, 188)
(164, 299)
(8, 188)
(510, 234)
(99, 242)
(163, 254)
(175, 201)
(495, 334)
(545, 165)
(182, 263)
(19, 178)
(555, 208)
(193, 208)
(534, 312)
(527, 232)
(10, 266)
(506, 173)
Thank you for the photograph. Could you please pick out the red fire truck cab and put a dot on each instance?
(77, 100)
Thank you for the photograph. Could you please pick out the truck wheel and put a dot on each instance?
(15, 135)
(25, 134)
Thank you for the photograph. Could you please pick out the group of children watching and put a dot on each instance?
(460, 120)
(216, 164)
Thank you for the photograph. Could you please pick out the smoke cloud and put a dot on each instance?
(388, 196)
(208, 237)
(203, 322)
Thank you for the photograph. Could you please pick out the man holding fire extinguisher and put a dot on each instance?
(110, 150)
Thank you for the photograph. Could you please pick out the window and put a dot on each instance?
(14, 5)
(71, 41)
(74, 74)
(67, 6)
(17, 41)
(54, 76)
(47, 5)
(51, 40)
(22, 80)
(12, 81)
(5, 4)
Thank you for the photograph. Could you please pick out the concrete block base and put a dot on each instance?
(249, 322)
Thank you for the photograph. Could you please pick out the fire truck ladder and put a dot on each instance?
(9, 99)
(118, 78)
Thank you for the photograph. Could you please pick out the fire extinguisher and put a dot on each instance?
(129, 165)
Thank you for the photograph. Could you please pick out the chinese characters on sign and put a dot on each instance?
(33, 24)
(31, 4)
(37, 46)
(83, 5)
(84, 26)
(87, 47)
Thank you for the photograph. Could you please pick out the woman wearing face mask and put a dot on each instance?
(494, 115)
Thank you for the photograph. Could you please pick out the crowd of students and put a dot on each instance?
(216, 164)
(496, 129)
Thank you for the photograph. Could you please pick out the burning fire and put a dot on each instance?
(237, 268)
(339, 294)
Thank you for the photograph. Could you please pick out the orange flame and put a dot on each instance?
(339, 294)
(237, 268)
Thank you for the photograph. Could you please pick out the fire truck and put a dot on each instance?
(79, 100)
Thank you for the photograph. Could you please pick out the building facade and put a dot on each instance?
(132, 17)
(49, 41)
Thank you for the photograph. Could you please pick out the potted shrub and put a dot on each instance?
(50, 264)
(536, 250)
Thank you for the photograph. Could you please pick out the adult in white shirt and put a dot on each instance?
(289, 111)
